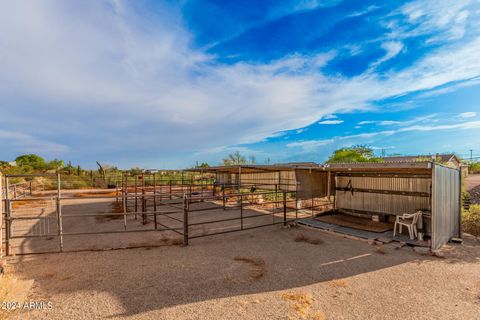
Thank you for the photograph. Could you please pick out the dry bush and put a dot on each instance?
(471, 220)
(339, 283)
(301, 302)
(29, 204)
(303, 238)
(258, 266)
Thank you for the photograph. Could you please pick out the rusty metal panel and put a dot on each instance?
(377, 202)
(311, 184)
(280, 180)
(446, 211)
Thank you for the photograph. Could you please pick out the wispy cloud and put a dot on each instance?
(369, 137)
(29, 144)
(331, 122)
(467, 115)
(90, 66)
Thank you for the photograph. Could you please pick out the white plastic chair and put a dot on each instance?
(409, 221)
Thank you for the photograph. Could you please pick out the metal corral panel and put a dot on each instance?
(377, 202)
(311, 184)
(446, 213)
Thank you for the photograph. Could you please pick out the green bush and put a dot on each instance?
(471, 220)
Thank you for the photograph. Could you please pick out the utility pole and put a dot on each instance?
(471, 155)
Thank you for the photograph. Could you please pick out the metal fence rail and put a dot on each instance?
(179, 206)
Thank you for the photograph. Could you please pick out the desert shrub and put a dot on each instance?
(474, 167)
(471, 220)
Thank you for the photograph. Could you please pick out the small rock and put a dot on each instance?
(438, 254)
(385, 240)
(371, 242)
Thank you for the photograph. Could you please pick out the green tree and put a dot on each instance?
(358, 153)
(55, 164)
(234, 159)
(32, 160)
(202, 165)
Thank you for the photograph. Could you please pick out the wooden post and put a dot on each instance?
(59, 214)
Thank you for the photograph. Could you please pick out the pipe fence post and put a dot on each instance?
(241, 212)
(223, 196)
(155, 201)
(1, 216)
(284, 208)
(144, 201)
(59, 214)
(185, 220)
(8, 217)
(136, 196)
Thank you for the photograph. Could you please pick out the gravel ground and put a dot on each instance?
(260, 274)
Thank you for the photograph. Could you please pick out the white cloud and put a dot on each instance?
(370, 137)
(392, 48)
(331, 122)
(466, 115)
(25, 143)
(366, 122)
(111, 80)
(388, 122)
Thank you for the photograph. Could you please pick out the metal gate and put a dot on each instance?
(32, 217)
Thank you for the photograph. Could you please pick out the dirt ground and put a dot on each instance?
(267, 273)
(472, 183)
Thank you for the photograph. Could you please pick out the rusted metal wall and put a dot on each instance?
(383, 203)
(446, 213)
(283, 180)
(311, 184)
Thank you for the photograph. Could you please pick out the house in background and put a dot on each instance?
(450, 160)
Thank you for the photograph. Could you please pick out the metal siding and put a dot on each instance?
(311, 184)
(383, 203)
(446, 205)
(285, 180)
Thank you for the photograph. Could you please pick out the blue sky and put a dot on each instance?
(164, 84)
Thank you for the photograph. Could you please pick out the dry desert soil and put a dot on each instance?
(267, 273)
